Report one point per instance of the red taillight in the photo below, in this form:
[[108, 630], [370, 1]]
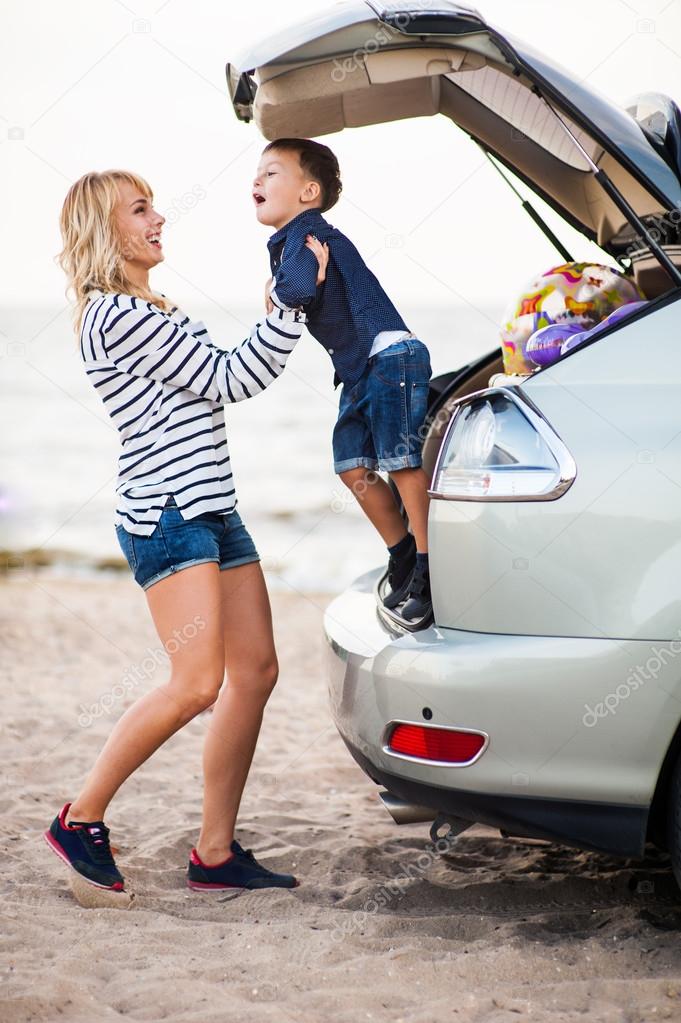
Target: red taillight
[[444, 744]]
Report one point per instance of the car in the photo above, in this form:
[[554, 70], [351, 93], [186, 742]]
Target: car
[[544, 697]]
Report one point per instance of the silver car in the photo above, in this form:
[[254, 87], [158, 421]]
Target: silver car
[[544, 699]]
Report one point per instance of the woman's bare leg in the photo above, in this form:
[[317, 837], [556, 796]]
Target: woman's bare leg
[[251, 663], [186, 609]]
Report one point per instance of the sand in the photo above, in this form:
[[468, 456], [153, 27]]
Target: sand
[[494, 930]]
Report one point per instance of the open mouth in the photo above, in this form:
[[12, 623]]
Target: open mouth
[[258, 198], [155, 240]]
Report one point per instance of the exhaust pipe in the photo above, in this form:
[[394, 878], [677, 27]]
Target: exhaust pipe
[[406, 813]]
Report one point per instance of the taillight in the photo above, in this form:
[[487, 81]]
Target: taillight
[[435, 745], [498, 447]]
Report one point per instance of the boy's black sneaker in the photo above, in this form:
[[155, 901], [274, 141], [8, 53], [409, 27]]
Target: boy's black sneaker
[[239, 870], [84, 846], [400, 571], [419, 603]]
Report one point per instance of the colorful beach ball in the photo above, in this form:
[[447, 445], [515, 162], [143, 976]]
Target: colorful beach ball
[[572, 295]]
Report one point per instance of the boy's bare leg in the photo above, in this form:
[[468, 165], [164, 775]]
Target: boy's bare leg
[[376, 500], [413, 487]]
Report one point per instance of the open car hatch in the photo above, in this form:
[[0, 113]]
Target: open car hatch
[[361, 63]]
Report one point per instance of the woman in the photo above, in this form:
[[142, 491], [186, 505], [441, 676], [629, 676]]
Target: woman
[[164, 383]]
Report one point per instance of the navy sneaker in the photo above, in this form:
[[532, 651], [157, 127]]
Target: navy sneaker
[[419, 603], [239, 870], [400, 571], [84, 846]]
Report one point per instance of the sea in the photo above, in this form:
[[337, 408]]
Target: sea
[[59, 449]]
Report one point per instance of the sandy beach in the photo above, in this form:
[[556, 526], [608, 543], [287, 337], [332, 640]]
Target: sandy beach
[[494, 930]]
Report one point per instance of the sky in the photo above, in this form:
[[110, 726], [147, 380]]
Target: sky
[[141, 85]]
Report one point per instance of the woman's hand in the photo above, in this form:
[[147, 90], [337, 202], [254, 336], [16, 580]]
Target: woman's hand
[[322, 254]]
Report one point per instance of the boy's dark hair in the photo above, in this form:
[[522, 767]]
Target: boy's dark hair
[[318, 162]]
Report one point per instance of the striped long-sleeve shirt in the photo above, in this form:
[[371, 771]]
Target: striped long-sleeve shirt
[[164, 383]]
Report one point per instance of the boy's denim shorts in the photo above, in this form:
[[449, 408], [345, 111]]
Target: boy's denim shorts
[[176, 544], [381, 417]]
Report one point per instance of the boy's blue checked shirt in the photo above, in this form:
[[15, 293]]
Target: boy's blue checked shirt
[[349, 309]]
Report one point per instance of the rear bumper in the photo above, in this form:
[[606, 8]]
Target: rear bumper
[[620, 830], [549, 770]]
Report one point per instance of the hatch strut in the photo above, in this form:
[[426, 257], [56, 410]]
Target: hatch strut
[[611, 190], [529, 208]]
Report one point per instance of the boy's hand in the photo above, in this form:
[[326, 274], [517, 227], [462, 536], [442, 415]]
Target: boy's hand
[[269, 304], [322, 254]]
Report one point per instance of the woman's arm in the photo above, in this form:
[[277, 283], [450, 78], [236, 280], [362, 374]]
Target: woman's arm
[[139, 339], [301, 270]]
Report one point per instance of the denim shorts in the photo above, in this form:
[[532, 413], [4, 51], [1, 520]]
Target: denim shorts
[[176, 544], [381, 417]]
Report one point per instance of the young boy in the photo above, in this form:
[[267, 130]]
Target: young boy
[[383, 367]]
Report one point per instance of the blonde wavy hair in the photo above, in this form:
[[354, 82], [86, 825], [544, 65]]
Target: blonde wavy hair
[[94, 252]]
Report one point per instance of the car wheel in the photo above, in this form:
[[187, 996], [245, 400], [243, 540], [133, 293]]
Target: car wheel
[[674, 821]]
